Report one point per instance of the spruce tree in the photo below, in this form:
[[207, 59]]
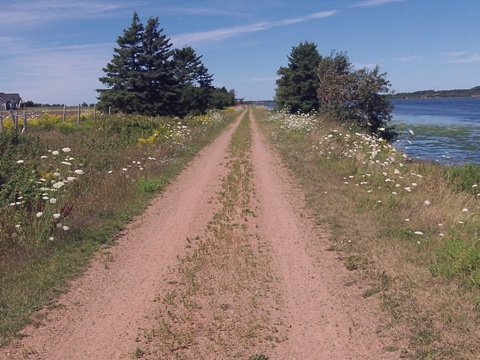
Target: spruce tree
[[298, 82], [122, 74], [194, 81], [159, 84], [147, 77]]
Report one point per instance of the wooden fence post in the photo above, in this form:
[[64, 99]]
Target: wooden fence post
[[94, 111], [24, 130], [14, 120], [64, 115], [78, 115], [1, 123]]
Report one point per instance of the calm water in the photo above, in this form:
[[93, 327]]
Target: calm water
[[445, 130]]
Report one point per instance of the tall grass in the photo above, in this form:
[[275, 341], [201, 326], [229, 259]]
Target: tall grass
[[66, 189], [411, 223]]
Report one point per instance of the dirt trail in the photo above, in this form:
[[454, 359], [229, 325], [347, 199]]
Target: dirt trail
[[100, 317], [326, 319]]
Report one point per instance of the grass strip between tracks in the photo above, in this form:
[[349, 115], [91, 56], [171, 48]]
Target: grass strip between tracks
[[216, 299]]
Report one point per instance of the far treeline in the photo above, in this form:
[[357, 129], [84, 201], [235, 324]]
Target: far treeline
[[146, 76], [332, 86], [473, 92]]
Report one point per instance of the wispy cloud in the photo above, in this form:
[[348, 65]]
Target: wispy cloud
[[455, 53], [201, 11], [225, 33], [32, 13], [465, 59], [410, 58], [375, 2]]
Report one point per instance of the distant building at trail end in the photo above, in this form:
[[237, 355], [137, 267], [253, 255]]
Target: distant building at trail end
[[10, 101]]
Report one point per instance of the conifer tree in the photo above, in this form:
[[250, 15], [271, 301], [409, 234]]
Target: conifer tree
[[159, 84], [147, 77], [194, 81], [298, 82], [122, 74]]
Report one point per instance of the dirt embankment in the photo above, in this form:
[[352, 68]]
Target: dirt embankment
[[317, 315]]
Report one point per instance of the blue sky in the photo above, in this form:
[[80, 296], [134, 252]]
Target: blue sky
[[53, 51]]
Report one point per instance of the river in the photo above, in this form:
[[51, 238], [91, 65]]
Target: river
[[445, 130]]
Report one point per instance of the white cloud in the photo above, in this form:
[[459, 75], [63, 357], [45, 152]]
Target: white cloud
[[33, 13], [200, 11], [461, 59], [455, 53], [225, 33], [375, 2], [410, 58]]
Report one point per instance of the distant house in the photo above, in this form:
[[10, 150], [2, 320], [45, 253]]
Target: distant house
[[10, 101]]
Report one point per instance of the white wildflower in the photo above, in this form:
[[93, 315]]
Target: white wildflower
[[20, 161], [55, 152], [66, 149], [418, 233], [79, 172], [58, 185], [39, 214]]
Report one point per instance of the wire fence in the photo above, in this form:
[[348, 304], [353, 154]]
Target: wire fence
[[20, 118]]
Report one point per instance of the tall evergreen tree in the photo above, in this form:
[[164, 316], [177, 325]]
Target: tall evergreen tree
[[195, 83], [159, 84], [147, 77], [122, 74], [298, 82]]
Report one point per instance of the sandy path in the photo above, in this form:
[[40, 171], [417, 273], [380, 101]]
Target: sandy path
[[326, 319], [100, 316]]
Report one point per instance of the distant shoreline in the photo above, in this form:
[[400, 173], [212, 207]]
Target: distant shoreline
[[440, 94]]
